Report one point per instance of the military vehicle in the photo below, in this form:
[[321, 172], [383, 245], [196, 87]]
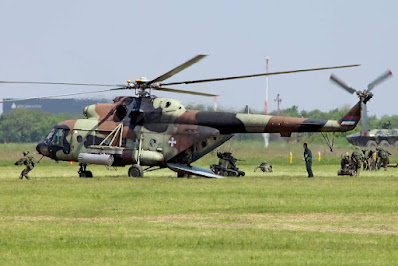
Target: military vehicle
[[375, 137], [348, 165], [144, 130], [226, 165], [385, 137], [349, 169]]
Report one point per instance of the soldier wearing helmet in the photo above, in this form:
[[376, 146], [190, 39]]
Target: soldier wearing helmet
[[29, 163], [356, 160], [383, 158]]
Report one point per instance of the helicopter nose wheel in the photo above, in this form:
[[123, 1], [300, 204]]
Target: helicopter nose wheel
[[83, 173], [136, 171]]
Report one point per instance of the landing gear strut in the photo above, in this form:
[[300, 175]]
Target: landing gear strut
[[82, 171], [136, 171]]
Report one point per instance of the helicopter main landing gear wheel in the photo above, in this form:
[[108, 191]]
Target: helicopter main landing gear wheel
[[136, 171], [86, 174], [83, 172]]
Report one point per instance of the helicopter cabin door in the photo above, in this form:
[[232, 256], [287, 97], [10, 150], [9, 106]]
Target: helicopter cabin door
[[152, 141]]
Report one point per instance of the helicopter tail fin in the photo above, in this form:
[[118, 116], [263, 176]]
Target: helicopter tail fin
[[351, 118]]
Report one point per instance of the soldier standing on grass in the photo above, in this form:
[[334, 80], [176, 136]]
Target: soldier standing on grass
[[356, 159], [345, 161], [372, 162], [308, 159], [29, 163]]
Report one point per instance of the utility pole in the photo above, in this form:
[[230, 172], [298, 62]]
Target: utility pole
[[266, 135], [266, 86]]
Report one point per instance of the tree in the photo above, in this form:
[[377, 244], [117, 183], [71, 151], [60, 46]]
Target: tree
[[27, 125]]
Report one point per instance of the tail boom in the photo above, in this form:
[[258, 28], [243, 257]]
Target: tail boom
[[230, 123]]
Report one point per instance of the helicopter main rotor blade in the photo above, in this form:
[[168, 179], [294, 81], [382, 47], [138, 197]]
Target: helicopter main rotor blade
[[342, 84], [379, 80], [255, 75], [178, 69], [186, 92], [60, 95], [59, 83]]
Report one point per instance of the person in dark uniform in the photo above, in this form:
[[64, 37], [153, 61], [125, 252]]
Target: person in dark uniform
[[308, 159]]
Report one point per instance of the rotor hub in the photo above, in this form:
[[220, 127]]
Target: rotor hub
[[364, 96]]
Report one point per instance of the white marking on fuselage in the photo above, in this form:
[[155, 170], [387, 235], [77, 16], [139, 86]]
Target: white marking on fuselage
[[347, 123], [172, 142]]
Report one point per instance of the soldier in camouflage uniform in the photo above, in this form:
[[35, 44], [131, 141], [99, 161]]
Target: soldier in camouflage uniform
[[265, 167], [29, 163], [365, 160], [345, 161], [371, 160], [382, 158], [356, 160]]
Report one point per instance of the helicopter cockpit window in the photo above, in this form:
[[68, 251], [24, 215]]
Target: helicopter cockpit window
[[58, 137], [50, 135]]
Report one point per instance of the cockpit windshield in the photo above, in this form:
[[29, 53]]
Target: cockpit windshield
[[56, 136], [50, 135]]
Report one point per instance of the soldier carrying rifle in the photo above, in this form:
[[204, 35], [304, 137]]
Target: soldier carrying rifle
[[29, 163], [383, 158], [356, 160]]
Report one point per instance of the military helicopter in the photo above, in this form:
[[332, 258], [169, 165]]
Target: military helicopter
[[146, 131]]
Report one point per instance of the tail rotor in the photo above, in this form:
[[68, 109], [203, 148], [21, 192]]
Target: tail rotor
[[364, 96]]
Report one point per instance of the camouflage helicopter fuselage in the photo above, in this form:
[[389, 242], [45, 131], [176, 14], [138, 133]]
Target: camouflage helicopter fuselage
[[159, 131]]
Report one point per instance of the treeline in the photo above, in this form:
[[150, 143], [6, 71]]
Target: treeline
[[27, 125]]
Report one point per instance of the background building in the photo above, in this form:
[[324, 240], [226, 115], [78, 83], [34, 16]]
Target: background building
[[55, 106]]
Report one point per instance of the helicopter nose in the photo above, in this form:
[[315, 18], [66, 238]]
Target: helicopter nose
[[42, 148]]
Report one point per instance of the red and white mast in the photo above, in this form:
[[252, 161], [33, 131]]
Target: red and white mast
[[215, 100], [266, 135], [266, 86]]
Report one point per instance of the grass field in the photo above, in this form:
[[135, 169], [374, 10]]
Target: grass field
[[277, 218]]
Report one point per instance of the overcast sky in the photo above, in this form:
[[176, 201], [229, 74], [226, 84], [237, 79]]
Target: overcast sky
[[112, 41]]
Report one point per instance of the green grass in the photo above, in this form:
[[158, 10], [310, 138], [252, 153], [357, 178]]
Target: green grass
[[263, 218]]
